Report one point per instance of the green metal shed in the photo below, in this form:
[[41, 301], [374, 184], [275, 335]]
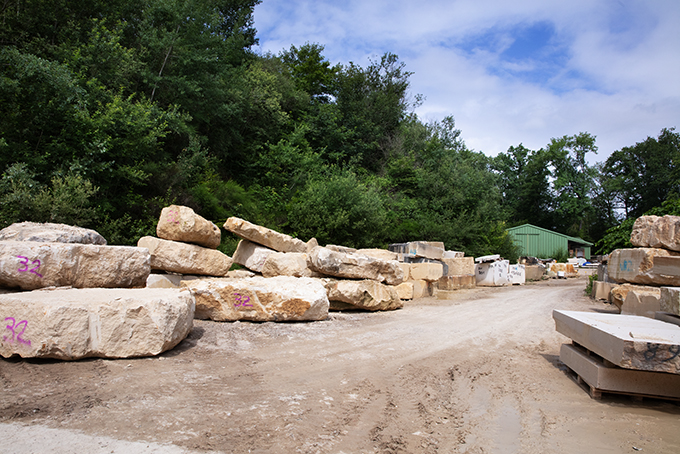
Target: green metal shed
[[543, 243]]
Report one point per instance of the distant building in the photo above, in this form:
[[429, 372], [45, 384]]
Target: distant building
[[543, 243]]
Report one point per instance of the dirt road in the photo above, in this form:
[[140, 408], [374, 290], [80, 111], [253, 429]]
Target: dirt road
[[476, 374]]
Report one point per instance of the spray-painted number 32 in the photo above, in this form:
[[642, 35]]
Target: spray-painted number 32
[[24, 268], [240, 301]]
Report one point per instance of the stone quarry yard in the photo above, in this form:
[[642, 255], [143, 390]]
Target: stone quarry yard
[[478, 373]]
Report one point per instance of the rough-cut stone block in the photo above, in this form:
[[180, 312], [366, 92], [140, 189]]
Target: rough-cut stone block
[[454, 255], [492, 274], [601, 290], [355, 266], [274, 299], [311, 244], [459, 266], [670, 300], [185, 258], [645, 304], [656, 232], [367, 294], [628, 341], [180, 223], [31, 265], [568, 268], [534, 272], [79, 323], [516, 274], [406, 269], [426, 249], [605, 378], [168, 280], [251, 255], [618, 293], [272, 239], [426, 271], [381, 254], [405, 290], [287, 264], [50, 233], [456, 282], [645, 266], [240, 274], [421, 289]]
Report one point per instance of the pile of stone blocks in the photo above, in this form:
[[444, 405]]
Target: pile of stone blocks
[[71, 296], [624, 354], [493, 271]]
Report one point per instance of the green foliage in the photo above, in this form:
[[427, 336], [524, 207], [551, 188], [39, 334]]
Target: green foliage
[[560, 255], [589, 287]]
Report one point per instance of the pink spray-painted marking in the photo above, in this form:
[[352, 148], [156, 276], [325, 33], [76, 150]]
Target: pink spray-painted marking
[[24, 268], [13, 328]]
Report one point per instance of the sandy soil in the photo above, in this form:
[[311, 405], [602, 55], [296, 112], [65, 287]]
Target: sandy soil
[[478, 374]]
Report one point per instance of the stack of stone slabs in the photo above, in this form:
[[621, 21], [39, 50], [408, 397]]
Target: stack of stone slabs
[[623, 354]]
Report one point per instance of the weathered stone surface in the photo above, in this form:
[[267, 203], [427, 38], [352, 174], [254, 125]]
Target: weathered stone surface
[[381, 254], [427, 249], [670, 300], [534, 272], [454, 255], [405, 290], [459, 266], [251, 255], [421, 289], [168, 280], [645, 304], [367, 294], [601, 290], [618, 293], [568, 268], [516, 274], [645, 266], [456, 282], [287, 264], [50, 233], [276, 299], [180, 223], [272, 239], [430, 272], [336, 248], [79, 323], [492, 274], [185, 258], [311, 244], [628, 341], [656, 232], [31, 265], [355, 266], [240, 274]]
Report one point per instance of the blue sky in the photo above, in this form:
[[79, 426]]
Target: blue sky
[[509, 72]]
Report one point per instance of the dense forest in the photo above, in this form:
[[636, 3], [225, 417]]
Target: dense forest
[[112, 109]]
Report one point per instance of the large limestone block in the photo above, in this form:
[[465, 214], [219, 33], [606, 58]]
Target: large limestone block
[[272, 239], [670, 300], [421, 289], [274, 299], [534, 272], [185, 258], [454, 255], [180, 223], [459, 266], [107, 323], [430, 272], [251, 255], [618, 293], [645, 304], [647, 266], [355, 266], [601, 290], [656, 232], [628, 341], [492, 274], [367, 294], [287, 264], [31, 265], [426, 249], [405, 290], [50, 233], [449, 283], [382, 254]]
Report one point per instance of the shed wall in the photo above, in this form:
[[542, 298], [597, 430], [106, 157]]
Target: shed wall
[[538, 243]]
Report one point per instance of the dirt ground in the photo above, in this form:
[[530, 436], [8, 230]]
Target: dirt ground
[[476, 374]]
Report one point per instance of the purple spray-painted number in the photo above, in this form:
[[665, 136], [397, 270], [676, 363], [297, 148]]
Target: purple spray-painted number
[[24, 268], [172, 216], [240, 303], [15, 326]]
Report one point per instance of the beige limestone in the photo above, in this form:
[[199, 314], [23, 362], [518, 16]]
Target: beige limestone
[[649, 266], [311, 244], [287, 264], [32, 265], [251, 255], [670, 300], [355, 266], [534, 272], [426, 249], [618, 293], [180, 223], [430, 272], [381, 254], [454, 255], [276, 299], [656, 232], [336, 248], [108, 323], [272, 239], [366, 294], [628, 341], [50, 233], [460, 266], [601, 290], [240, 274], [421, 289], [456, 282], [405, 290], [185, 258], [645, 304]]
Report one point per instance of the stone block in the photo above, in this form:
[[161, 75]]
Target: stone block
[[534, 272], [427, 249], [355, 266], [421, 289], [272, 239], [454, 255], [366, 294], [287, 264], [601, 290], [645, 304], [492, 274], [163, 281], [50, 233], [343, 249], [184, 258], [516, 275], [459, 266], [251, 255], [456, 282], [567, 268], [80, 323], [628, 341], [430, 272], [180, 223], [647, 266], [669, 300], [405, 290], [605, 378], [381, 254], [618, 293], [274, 299], [656, 232], [32, 265]]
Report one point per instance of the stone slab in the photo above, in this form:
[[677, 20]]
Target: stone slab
[[180, 223], [454, 255], [31, 265], [430, 272], [618, 380], [50, 233], [647, 266], [534, 272], [618, 293], [272, 239], [656, 232], [427, 249], [80, 323], [670, 300], [184, 258], [365, 294], [456, 282], [601, 290], [459, 266], [628, 341], [355, 266], [251, 255], [644, 304], [492, 274], [287, 264]]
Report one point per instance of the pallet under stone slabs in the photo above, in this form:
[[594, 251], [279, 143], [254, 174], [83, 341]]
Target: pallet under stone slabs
[[600, 376], [628, 341]]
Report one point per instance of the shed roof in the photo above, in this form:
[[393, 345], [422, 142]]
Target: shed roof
[[573, 239]]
